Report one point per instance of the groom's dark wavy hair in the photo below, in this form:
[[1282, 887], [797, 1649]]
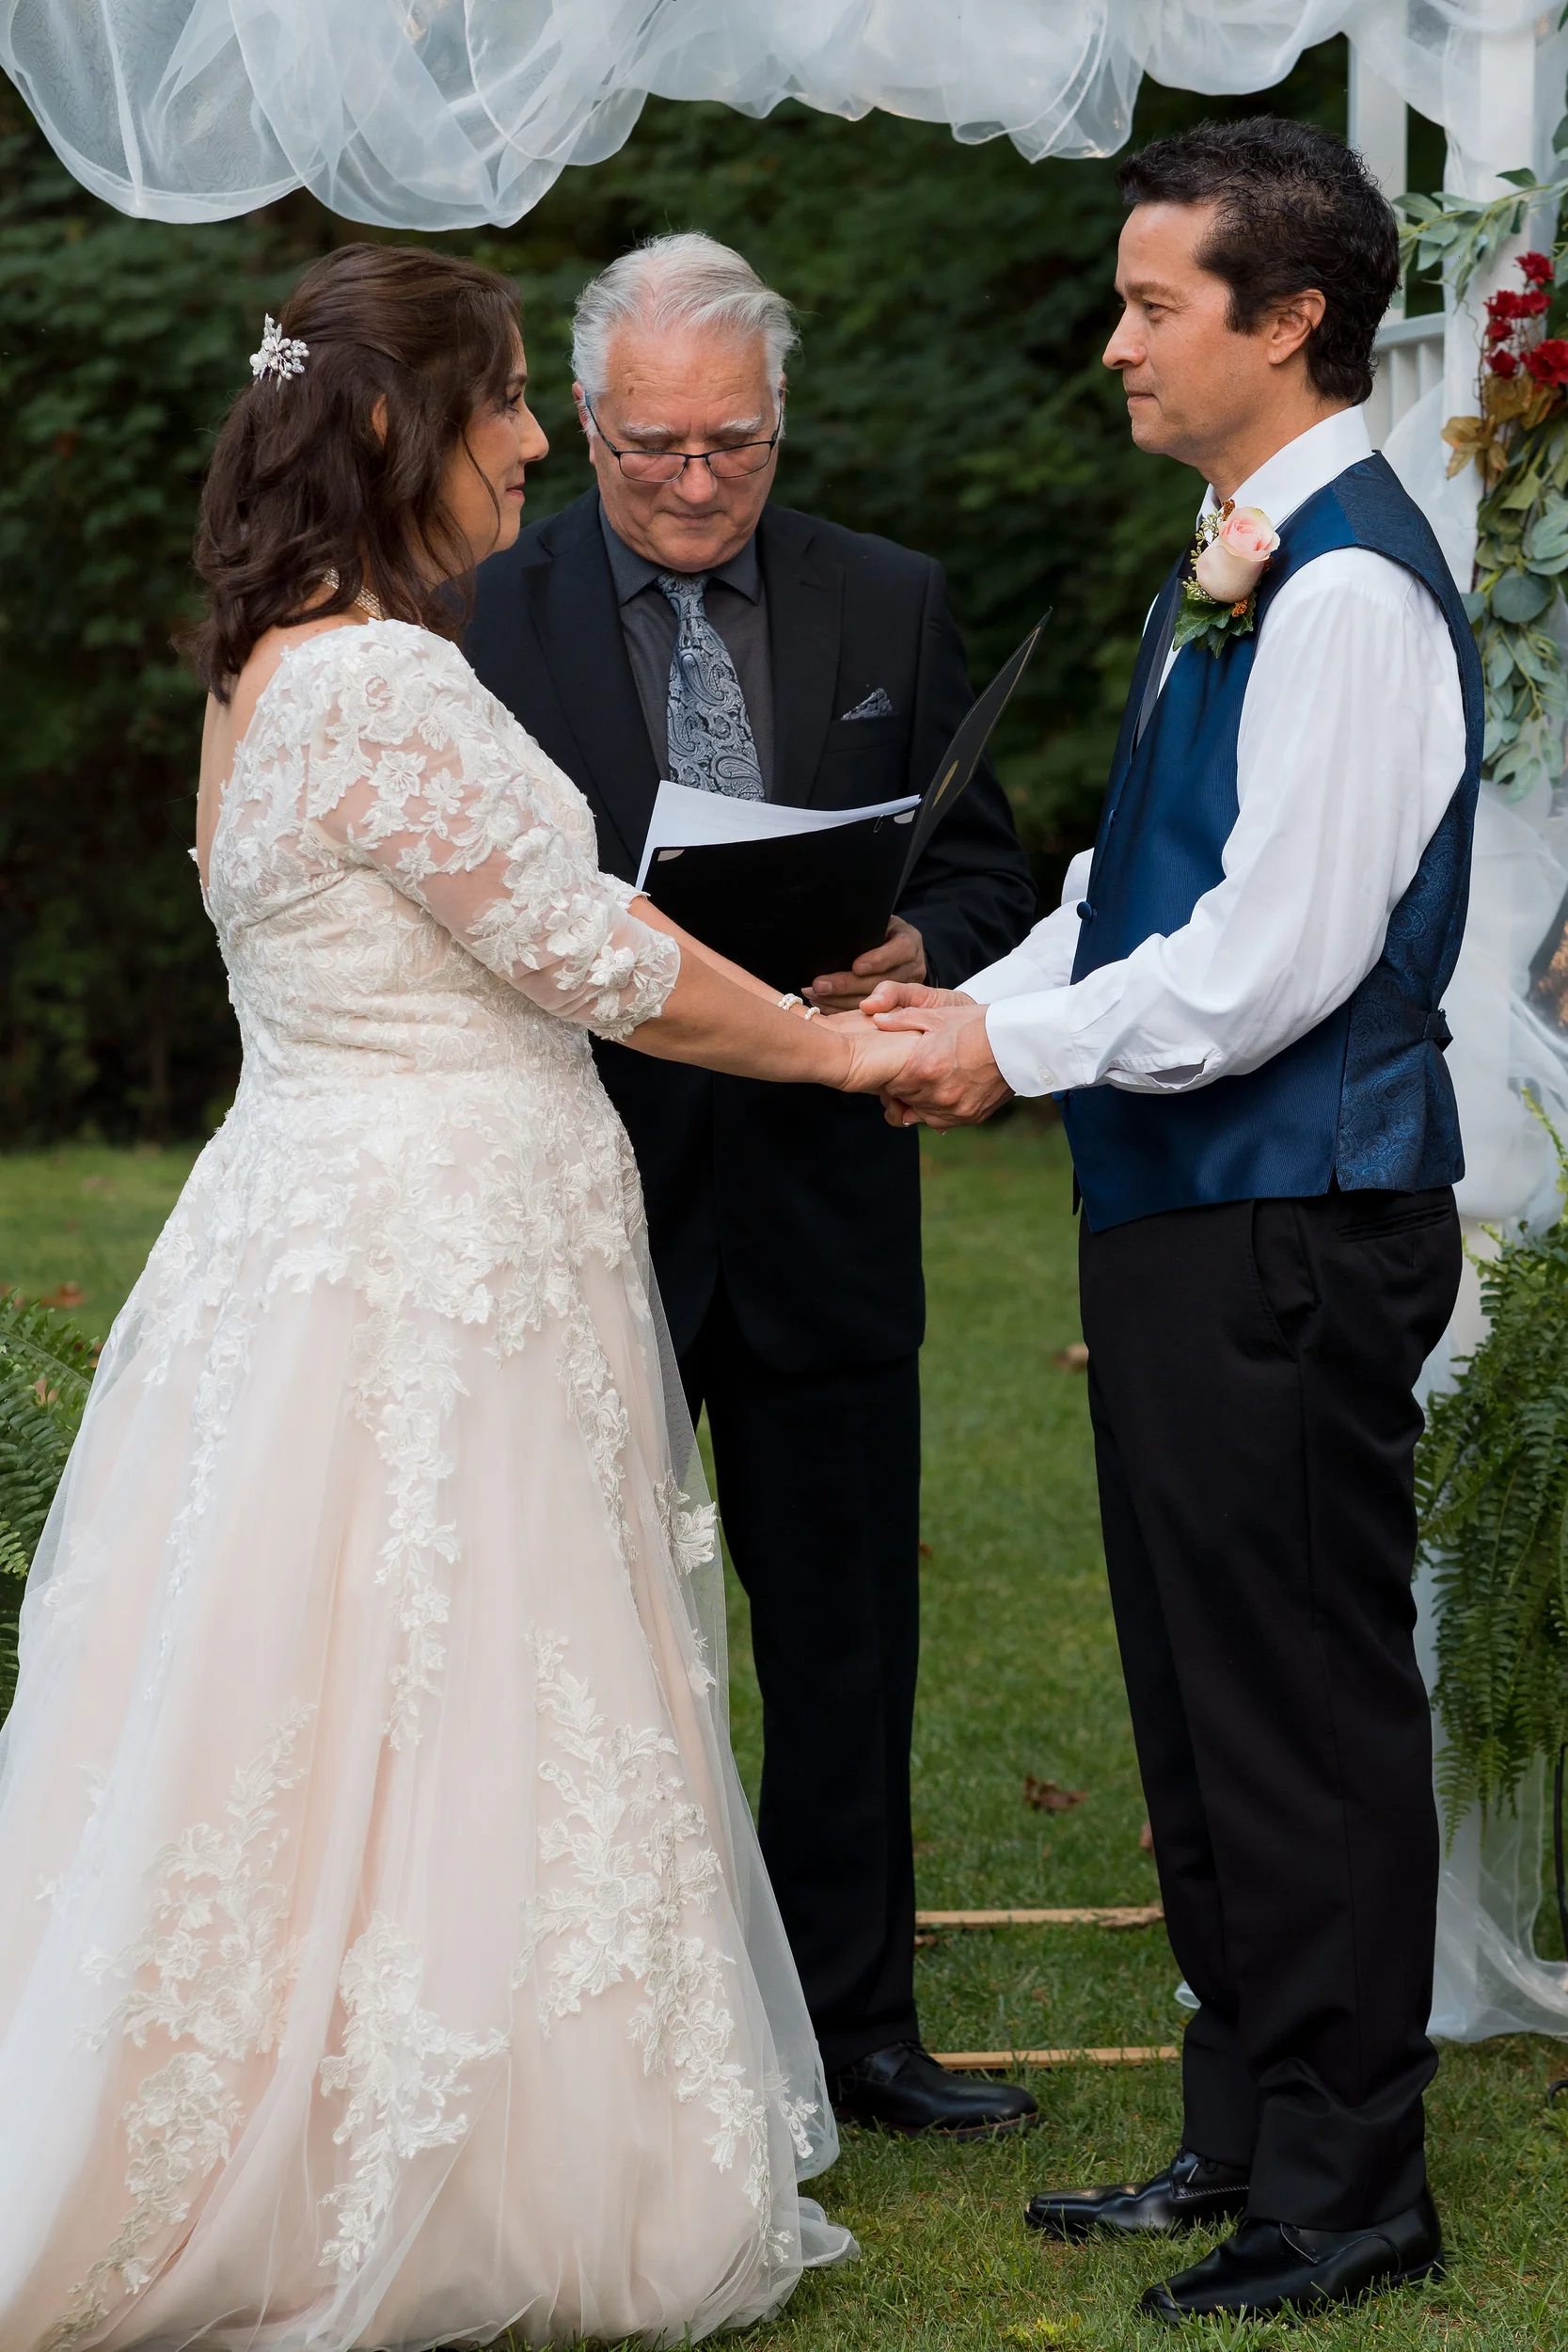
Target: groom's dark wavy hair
[[301, 482], [1293, 209]]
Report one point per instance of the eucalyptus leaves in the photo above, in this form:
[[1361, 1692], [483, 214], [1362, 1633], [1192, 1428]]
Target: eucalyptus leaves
[[1519, 443]]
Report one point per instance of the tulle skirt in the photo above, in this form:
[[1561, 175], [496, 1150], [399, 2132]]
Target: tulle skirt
[[388, 1956]]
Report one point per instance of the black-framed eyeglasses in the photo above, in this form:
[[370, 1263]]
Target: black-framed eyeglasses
[[664, 464]]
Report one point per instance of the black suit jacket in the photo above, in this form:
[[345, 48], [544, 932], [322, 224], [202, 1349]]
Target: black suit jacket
[[806, 1199]]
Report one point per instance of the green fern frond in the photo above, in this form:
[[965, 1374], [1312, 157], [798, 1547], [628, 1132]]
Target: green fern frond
[[1492, 1490], [45, 1371], [10, 1607], [42, 1345]]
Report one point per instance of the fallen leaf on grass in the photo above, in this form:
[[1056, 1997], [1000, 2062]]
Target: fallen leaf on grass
[[1072, 1358], [1044, 1796], [923, 1939], [926, 1553], [1034, 2331], [1146, 1839], [69, 1294]]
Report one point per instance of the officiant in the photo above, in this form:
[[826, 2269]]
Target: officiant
[[673, 623]]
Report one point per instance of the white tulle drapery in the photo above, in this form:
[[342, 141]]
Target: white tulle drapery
[[441, 113]]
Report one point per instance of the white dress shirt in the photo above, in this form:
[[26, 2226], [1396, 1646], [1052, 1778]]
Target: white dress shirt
[[1351, 744]]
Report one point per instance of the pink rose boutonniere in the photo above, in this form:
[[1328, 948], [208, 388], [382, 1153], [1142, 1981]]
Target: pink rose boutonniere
[[1219, 588]]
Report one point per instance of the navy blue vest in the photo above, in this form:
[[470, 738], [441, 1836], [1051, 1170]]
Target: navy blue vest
[[1364, 1098]]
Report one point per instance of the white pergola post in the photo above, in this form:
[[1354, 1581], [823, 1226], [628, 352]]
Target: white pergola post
[[1379, 126], [1410, 356], [1491, 129]]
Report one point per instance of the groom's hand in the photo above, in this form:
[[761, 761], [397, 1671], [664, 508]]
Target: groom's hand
[[950, 1078], [901, 957]]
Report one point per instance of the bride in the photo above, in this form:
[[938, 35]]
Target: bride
[[388, 1957]]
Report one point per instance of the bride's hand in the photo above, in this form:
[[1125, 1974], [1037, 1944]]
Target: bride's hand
[[872, 1067]]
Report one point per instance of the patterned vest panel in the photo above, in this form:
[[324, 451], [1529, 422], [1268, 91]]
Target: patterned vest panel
[[1364, 1098]]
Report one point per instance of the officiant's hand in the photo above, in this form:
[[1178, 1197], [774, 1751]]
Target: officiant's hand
[[901, 957], [950, 1078]]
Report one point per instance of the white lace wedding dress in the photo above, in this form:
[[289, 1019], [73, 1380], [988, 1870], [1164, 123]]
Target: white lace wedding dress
[[388, 1957]]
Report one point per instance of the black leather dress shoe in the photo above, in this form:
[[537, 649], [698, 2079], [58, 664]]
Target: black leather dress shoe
[[1191, 2189], [903, 2090], [1273, 2266]]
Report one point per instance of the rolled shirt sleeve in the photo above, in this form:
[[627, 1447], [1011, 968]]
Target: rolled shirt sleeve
[[1351, 746]]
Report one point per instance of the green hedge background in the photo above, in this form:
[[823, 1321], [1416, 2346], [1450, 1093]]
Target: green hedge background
[[953, 301]]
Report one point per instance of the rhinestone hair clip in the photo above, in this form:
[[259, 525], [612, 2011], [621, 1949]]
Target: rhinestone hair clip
[[278, 355]]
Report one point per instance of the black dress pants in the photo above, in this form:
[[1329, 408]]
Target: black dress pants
[[818, 1478], [1250, 1377]]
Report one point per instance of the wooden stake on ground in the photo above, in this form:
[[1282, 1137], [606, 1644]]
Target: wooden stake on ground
[[1142, 1915], [991, 2062]]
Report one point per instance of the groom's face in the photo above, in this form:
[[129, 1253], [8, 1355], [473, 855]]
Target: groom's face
[[1191, 378]]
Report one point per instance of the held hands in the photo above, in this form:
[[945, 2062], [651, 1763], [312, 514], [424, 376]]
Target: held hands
[[875, 1059], [901, 957], [950, 1078]]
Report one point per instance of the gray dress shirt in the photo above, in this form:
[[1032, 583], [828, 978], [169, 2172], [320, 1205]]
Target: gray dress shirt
[[736, 604]]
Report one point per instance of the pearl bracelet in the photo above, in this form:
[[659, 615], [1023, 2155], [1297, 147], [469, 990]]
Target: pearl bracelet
[[788, 1004]]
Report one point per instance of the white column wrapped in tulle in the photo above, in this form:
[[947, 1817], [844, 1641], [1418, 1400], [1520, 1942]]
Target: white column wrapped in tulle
[[1488, 1979]]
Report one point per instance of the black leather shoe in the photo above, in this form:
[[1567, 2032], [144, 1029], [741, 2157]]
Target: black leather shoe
[[1273, 2266], [1191, 2189], [903, 2090]]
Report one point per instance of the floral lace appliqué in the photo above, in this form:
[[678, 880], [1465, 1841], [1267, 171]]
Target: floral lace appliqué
[[400, 2068], [214, 1975], [638, 1867], [692, 1530]]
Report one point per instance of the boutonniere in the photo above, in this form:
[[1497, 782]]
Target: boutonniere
[[1219, 587]]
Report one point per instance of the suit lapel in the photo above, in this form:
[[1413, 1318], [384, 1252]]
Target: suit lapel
[[805, 599], [579, 630]]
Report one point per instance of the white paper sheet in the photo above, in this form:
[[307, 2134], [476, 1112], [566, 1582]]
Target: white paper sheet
[[686, 819]]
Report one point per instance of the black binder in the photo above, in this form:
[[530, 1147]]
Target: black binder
[[794, 908]]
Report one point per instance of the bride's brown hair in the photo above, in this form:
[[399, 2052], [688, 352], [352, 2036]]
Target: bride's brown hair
[[303, 484]]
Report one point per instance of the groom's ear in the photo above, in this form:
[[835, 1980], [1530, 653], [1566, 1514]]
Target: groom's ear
[[1287, 326]]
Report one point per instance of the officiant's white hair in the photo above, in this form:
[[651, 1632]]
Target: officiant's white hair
[[688, 280]]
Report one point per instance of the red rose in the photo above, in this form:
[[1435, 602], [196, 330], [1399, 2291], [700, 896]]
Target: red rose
[[1503, 363], [1548, 361], [1505, 304], [1533, 306], [1498, 330], [1537, 267]]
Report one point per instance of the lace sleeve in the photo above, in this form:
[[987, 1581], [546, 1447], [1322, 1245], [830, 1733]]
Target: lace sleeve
[[409, 772]]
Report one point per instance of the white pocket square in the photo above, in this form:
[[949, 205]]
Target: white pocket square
[[878, 704]]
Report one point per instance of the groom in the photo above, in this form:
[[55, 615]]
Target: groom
[[1238, 1004]]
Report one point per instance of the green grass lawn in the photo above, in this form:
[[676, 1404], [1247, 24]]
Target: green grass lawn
[[1019, 1679]]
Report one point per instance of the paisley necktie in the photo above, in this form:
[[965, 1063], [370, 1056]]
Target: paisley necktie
[[711, 748]]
